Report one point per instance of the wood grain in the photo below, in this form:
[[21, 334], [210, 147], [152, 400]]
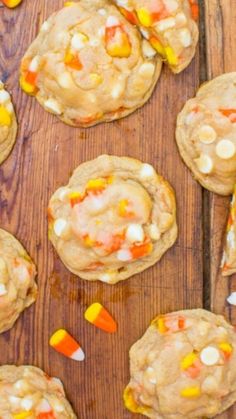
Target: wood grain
[[45, 155], [220, 18]]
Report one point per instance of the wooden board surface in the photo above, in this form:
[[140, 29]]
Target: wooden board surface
[[45, 154]]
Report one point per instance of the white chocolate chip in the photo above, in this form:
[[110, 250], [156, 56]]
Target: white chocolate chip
[[34, 64], [112, 21], [65, 80], [209, 385], [147, 70], [27, 404], [14, 400], [21, 272], [135, 233], [101, 32], [205, 164], [106, 277], [225, 149], [210, 356], [231, 239], [21, 385], [171, 5], [78, 41], [154, 232], [3, 290], [146, 171], [148, 50], [4, 96], [122, 3], [150, 372], [58, 407], [62, 193], [45, 26], [45, 406], [102, 12], [232, 299], [165, 24], [53, 106], [207, 134], [117, 91], [180, 19], [59, 226], [124, 255], [185, 37]]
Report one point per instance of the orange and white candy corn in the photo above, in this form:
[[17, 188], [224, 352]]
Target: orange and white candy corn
[[97, 315], [65, 344], [11, 3]]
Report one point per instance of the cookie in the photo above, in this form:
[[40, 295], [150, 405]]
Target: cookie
[[228, 263], [183, 367], [169, 26], [89, 65], [115, 218], [8, 124], [206, 134], [18, 289], [27, 392]]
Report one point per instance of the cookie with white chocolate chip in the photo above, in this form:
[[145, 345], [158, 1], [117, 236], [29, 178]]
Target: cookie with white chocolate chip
[[115, 218], [206, 134], [8, 124], [18, 289], [89, 65], [183, 367], [169, 25], [27, 392]]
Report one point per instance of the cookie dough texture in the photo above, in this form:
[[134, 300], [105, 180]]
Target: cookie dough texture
[[169, 26], [183, 367], [206, 134], [89, 65], [115, 218], [8, 124], [18, 289], [27, 392], [228, 263]]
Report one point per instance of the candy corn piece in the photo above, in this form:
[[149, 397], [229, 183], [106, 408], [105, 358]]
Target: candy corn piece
[[11, 3], [64, 343], [99, 316]]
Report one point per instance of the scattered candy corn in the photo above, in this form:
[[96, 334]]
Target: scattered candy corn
[[64, 343], [99, 317], [11, 3], [22, 415]]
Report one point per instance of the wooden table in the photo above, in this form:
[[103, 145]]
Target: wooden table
[[46, 153]]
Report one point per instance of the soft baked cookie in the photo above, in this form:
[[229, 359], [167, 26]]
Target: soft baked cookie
[[27, 392], [18, 289], [89, 65], [183, 367], [206, 134], [228, 263], [8, 124], [168, 25], [115, 218]]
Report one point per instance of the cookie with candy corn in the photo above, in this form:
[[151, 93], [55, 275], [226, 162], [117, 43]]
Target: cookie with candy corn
[[206, 134], [169, 25], [104, 71], [27, 392], [115, 218], [97, 315], [183, 367], [18, 289], [8, 124], [64, 343]]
